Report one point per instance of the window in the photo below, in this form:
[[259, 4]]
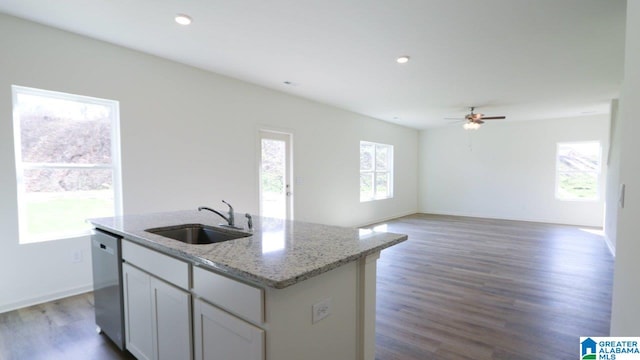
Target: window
[[67, 162], [578, 170], [376, 171]]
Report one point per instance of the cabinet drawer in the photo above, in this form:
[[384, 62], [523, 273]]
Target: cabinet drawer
[[162, 266], [236, 297]]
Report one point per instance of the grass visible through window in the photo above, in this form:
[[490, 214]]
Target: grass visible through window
[[52, 214], [67, 162]]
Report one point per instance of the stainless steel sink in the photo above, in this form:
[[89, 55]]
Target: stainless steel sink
[[197, 233]]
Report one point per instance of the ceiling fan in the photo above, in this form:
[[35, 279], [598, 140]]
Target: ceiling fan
[[474, 120]]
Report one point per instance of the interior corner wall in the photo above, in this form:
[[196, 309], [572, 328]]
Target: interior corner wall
[[188, 138], [625, 316], [506, 170], [613, 178]]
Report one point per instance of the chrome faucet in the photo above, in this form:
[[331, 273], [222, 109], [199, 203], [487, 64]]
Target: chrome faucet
[[231, 221]]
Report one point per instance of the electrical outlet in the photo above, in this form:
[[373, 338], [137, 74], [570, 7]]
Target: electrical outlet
[[321, 310], [76, 256]]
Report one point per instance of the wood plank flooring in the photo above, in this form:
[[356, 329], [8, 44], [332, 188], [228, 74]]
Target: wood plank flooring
[[465, 288], [459, 288], [62, 329]]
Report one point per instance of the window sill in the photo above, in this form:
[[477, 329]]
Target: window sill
[[578, 200], [375, 199], [54, 237]]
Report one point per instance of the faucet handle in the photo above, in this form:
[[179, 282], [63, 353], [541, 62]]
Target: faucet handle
[[229, 205], [232, 221], [249, 221]]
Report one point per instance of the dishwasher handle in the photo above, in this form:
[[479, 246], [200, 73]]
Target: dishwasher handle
[[104, 247]]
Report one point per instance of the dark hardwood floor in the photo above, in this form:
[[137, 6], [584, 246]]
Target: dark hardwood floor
[[459, 288], [64, 329], [466, 288]]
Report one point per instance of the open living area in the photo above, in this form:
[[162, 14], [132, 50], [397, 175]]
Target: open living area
[[318, 180]]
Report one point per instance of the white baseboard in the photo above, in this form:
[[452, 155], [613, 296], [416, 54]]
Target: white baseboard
[[45, 298], [512, 218], [372, 222]]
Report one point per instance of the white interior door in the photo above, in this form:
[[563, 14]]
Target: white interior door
[[276, 193]]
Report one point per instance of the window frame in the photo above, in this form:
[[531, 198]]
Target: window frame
[[375, 172], [597, 173], [115, 165]]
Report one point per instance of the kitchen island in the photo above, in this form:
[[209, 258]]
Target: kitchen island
[[287, 290]]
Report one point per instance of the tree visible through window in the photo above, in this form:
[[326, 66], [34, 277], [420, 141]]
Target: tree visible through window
[[578, 170], [67, 162], [273, 177], [376, 171]]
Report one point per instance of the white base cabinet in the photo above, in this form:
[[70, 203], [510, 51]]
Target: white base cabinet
[[174, 310], [157, 313], [157, 317], [137, 312], [221, 336], [172, 321]]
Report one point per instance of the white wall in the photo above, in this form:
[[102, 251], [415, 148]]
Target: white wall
[[625, 315], [505, 170], [189, 138]]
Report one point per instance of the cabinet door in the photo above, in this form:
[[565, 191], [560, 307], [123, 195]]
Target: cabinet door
[[172, 321], [221, 336], [137, 312]]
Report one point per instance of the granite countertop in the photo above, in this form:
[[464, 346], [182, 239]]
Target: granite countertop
[[279, 253]]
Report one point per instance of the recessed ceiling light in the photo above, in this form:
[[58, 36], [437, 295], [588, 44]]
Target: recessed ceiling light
[[183, 19], [402, 59]]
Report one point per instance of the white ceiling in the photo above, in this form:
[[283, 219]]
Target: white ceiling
[[521, 58]]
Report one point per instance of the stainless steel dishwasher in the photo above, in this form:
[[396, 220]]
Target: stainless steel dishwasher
[[106, 256]]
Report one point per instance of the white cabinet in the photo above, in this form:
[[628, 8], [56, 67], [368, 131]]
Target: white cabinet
[[171, 321], [240, 299], [157, 313], [230, 319], [137, 312], [221, 336], [224, 330]]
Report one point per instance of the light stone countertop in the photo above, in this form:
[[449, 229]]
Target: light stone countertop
[[279, 253]]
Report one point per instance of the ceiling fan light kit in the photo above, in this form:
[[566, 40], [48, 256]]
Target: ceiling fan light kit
[[474, 120], [471, 126]]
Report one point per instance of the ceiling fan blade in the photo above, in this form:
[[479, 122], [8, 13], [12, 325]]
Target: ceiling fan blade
[[456, 122], [494, 118]]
